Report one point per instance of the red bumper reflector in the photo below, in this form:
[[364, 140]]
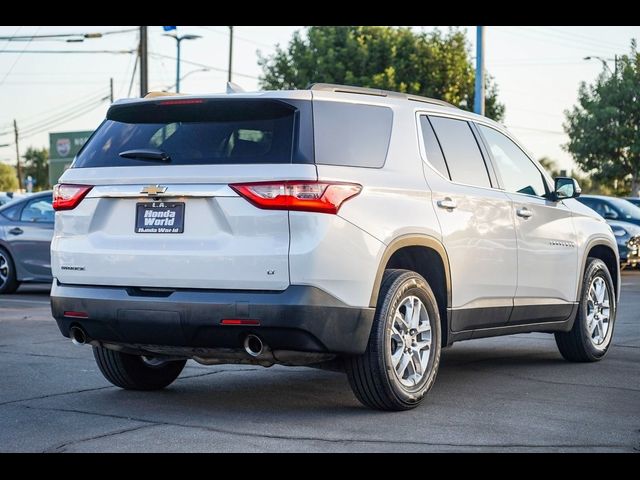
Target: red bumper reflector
[[239, 321], [76, 314]]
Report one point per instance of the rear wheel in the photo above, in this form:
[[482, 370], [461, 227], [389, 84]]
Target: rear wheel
[[8, 280], [136, 372], [590, 338], [402, 357]]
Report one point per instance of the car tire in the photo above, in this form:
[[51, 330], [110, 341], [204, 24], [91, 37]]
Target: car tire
[[8, 279], [591, 336], [135, 372], [401, 361]]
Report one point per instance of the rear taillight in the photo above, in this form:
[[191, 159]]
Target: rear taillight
[[67, 197], [306, 196]]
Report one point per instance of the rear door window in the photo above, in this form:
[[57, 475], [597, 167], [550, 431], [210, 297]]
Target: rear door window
[[193, 132], [351, 134], [432, 147], [461, 151], [38, 210]]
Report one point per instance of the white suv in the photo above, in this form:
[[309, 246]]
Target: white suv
[[335, 226]]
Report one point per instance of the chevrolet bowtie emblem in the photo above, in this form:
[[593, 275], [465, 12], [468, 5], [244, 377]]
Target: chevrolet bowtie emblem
[[153, 189]]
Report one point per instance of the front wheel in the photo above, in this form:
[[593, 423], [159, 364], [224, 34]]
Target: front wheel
[[590, 338], [402, 357], [135, 372]]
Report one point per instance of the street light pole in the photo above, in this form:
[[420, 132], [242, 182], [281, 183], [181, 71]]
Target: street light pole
[[478, 104], [230, 51], [178, 40], [604, 62]]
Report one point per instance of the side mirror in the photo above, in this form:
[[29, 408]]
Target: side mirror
[[611, 215], [566, 187]]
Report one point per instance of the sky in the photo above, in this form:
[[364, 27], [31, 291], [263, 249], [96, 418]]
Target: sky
[[538, 70]]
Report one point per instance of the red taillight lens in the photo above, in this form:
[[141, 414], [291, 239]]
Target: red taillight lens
[[74, 314], [239, 321], [306, 196], [67, 197]]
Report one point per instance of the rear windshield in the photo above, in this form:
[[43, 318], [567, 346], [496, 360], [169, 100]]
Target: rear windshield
[[193, 132]]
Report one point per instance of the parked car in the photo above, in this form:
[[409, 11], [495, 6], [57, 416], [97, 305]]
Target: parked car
[[4, 199], [26, 228], [612, 208], [325, 227], [624, 219], [634, 200]]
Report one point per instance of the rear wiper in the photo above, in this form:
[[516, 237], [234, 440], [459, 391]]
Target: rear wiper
[[147, 154]]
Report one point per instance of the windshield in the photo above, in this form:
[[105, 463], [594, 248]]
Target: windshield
[[195, 133]]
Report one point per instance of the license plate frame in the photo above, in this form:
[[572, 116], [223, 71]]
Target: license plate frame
[[169, 217]]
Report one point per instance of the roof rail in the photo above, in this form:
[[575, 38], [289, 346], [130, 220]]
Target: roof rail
[[330, 87]]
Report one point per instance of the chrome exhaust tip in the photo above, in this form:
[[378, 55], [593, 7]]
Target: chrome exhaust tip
[[253, 345], [78, 337]]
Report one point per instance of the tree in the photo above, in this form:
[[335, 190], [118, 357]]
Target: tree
[[36, 164], [433, 64], [604, 127], [550, 166], [8, 178]]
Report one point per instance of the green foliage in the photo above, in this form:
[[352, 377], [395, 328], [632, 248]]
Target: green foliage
[[36, 164], [604, 128], [433, 64], [588, 185], [8, 178]]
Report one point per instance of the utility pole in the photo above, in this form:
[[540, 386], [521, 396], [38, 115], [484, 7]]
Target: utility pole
[[144, 79], [615, 65], [111, 89], [478, 104], [230, 51], [18, 168]]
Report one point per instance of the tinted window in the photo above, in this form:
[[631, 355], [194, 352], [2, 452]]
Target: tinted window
[[200, 133], [38, 210], [13, 212], [432, 147], [518, 173], [461, 151], [351, 134]]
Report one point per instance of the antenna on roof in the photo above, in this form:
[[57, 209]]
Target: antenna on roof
[[234, 88]]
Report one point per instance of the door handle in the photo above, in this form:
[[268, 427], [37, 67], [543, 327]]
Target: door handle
[[447, 203], [16, 231], [524, 212]]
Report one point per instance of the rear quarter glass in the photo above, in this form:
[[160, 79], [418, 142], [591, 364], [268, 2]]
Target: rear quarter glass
[[207, 132]]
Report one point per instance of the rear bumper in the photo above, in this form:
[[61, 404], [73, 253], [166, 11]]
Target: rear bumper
[[300, 318]]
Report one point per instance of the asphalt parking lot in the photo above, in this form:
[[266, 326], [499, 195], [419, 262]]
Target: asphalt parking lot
[[501, 394]]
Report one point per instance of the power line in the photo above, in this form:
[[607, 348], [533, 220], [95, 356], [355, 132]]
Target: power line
[[16, 60], [235, 35], [133, 75], [7, 44], [217, 69], [539, 130], [65, 120], [68, 51], [583, 38], [540, 37], [61, 115], [67, 105], [53, 36]]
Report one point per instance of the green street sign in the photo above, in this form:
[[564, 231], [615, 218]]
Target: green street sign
[[63, 147]]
